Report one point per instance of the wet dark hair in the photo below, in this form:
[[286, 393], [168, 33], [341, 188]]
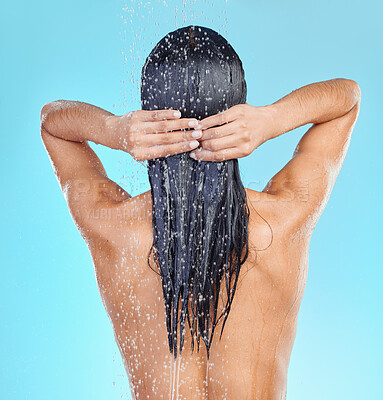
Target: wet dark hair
[[200, 213]]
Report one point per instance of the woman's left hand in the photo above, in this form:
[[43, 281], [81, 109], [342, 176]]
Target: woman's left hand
[[234, 133]]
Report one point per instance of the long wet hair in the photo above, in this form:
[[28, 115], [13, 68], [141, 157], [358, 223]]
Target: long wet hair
[[200, 214]]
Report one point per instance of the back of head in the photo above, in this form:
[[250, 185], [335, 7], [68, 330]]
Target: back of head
[[200, 215]]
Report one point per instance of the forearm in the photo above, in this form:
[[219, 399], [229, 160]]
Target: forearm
[[75, 121], [315, 103]]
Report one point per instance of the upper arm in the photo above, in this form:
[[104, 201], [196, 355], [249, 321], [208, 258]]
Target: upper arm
[[306, 181], [81, 176]]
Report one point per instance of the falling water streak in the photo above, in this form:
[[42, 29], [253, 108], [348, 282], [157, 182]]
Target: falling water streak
[[178, 374], [224, 18], [191, 12], [171, 380], [174, 376], [136, 16], [207, 377]]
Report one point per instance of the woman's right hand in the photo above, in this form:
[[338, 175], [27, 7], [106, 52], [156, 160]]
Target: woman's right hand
[[235, 133], [152, 134]]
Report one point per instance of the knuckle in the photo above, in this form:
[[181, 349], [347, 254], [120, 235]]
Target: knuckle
[[246, 135], [162, 126], [243, 124], [206, 134], [245, 149], [176, 125], [186, 136], [207, 145], [211, 133], [165, 138], [133, 126], [214, 146], [172, 138], [217, 133], [131, 140], [159, 139]]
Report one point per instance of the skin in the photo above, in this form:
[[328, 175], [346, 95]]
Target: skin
[[251, 361]]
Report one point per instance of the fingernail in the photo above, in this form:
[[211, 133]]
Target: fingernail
[[197, 134], [198, 126], [193, 123], [194, 143], [177, 114], [192, 155]]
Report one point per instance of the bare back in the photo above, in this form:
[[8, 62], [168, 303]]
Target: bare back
[[251, 360]]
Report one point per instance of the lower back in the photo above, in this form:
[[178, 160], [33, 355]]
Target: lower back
[[251, 359]]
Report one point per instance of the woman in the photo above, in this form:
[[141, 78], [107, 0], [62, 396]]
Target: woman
[[215, 248]]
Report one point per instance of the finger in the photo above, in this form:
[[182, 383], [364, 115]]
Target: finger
[[221, 143], [164, 150], [158, 115], [218, 119], [154, 139], [220, 131], [171, 125], [221, 155]]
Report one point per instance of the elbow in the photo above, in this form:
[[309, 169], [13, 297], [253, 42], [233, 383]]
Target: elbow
[[356, 91], [352, 92], [47, 110], [44, 114]]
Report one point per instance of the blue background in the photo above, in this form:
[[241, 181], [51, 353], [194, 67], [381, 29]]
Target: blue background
[[55, 339]]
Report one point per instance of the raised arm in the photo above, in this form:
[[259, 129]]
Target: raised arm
[[315, 103], [66, 128], [304, 184], [307, 179]]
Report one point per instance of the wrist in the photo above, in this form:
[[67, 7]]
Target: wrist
[[111, 132], [268, 122], [277, 120]]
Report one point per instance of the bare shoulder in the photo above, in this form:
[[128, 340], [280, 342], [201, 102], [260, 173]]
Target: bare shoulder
[[263, 224], [113, 221], [271, 217], [263, 207]]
